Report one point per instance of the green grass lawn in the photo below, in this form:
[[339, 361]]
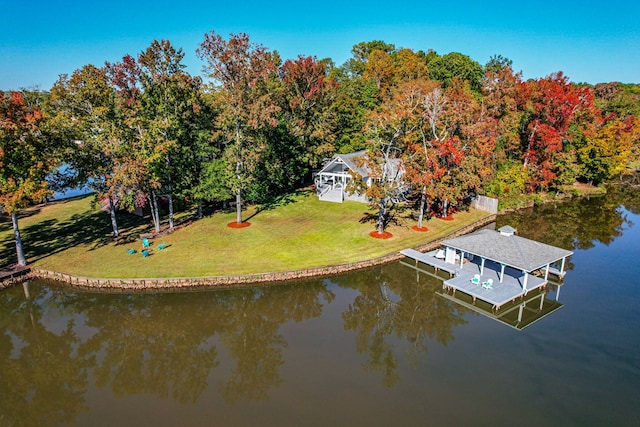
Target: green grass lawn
[[296, 232]]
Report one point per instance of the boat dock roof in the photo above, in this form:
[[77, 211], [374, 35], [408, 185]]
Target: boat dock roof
[[502, 262], [506, 248]]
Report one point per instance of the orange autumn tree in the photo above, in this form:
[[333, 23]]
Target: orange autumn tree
[[389, 129], [25, 159]]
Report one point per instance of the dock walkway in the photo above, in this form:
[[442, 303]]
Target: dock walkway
[[429, 259]]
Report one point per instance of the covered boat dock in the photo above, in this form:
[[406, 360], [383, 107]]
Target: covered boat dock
[[495, 266]]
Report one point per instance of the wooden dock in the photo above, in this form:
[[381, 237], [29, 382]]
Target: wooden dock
[[499, 294]]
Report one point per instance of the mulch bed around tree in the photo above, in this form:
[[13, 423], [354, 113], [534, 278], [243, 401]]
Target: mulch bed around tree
[[234, 224], [420, 229], [447, 218], [376, 235]]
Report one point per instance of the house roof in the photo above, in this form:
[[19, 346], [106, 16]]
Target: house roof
[[338, 163], [335, 165], [508, 249]]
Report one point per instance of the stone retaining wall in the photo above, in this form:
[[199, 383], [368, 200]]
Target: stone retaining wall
[[135, 285]]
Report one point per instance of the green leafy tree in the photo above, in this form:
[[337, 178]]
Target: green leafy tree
[[168, 97], [85, 103], [445, 68]]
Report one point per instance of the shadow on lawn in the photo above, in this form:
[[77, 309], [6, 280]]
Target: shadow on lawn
[[50, 236], [280, 201]]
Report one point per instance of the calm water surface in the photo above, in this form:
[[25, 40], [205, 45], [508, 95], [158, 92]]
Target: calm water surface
[[374, 348]]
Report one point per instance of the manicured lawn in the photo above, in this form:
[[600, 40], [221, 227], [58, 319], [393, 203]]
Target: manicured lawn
[[296, 232]]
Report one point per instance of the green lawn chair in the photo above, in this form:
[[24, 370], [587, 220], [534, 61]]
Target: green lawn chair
[[145, 253], [488, 284], [145, 243], [162, 245], [131, 251]]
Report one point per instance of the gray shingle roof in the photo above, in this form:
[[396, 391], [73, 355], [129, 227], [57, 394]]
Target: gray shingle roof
[[514, 251], [334, 166], [348, 160]]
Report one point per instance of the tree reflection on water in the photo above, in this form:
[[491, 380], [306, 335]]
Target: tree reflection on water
[[395, 303], [58, 345]]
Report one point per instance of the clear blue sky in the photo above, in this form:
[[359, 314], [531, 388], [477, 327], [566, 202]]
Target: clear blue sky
[[41, 39]]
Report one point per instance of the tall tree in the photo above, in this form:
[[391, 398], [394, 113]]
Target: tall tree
[[243, 69], [85, 103], [308, 97], [420, 165], [389, 128], [26, 156], [166, 92]]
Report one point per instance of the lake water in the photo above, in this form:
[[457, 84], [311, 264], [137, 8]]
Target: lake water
[[377, 347]]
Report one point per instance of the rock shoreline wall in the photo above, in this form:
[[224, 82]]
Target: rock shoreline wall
[[154, 284]]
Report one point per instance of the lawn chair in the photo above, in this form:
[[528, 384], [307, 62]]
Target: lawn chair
[[131, 251], [162, 245], [487, 284], [145, 253], [475, 279], [145, 243]]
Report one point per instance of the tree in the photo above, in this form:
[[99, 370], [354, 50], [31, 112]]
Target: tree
[[552, 105], [381, 69], [167, 94], [26, 156], [85, 103], [445, 68], [243, 70], [356, 66], [388, 129], [308, 97], [409, 65], [421, 169], [607, 153]]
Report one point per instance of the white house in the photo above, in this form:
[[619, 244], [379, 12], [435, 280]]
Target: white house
[[332, 180]]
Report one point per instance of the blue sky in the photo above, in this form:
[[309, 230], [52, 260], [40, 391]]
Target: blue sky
[[41, 39]]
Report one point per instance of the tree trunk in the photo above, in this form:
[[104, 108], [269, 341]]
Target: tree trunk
[[381, 217], [112, 213], [445, 208], [170, 209], [16, 232], [200, 209], [170, 194], [239, 206], [423, 199], [155, 214]]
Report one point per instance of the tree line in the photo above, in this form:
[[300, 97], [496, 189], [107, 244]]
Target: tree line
[[254, 127]]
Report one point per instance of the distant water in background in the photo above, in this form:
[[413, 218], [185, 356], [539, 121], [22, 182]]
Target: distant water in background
[[71, 192]]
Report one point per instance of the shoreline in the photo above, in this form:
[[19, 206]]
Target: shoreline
[[207, 282]]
